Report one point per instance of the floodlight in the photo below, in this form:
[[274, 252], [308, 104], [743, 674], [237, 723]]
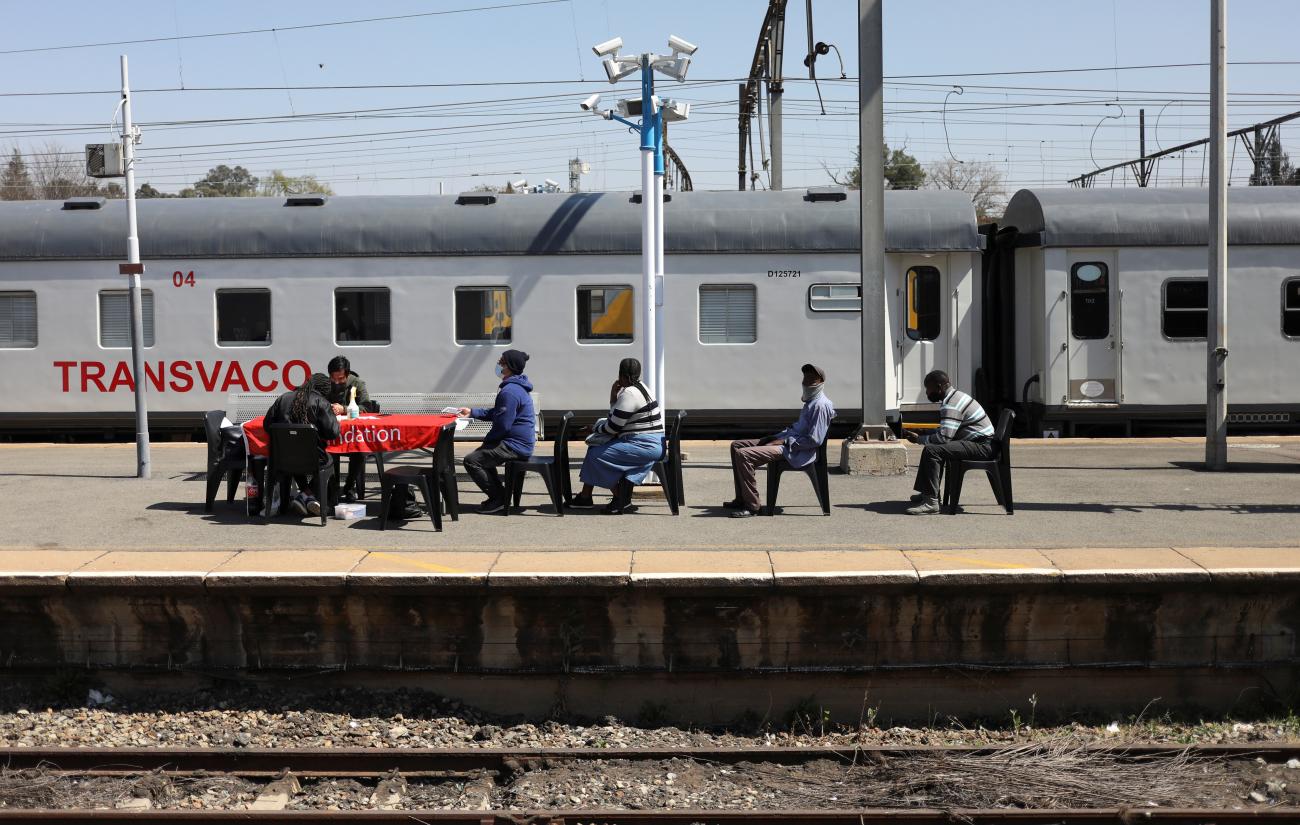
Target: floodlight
[[616, 70], [676, 110], [609, 47], [590, 103], [679, 45], [630, 107]]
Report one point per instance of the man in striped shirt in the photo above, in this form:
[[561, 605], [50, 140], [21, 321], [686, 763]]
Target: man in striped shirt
[[964, 432]]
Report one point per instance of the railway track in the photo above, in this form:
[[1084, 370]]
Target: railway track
[[279, 771]]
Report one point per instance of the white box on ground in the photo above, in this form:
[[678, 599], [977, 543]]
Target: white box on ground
[[350, 512]]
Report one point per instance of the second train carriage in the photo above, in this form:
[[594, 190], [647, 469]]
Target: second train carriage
[[421, 293], [1096, 305]]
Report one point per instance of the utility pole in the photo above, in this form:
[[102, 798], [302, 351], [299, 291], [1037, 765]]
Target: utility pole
[[134, 268], [1216, 341], [743, 131], [883, 454], [776, 91], [1144, 168]]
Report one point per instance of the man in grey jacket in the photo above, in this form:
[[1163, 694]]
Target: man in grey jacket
[[797, 444]]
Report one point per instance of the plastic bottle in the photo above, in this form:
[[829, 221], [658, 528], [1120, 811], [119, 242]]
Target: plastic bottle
[[353, 410]]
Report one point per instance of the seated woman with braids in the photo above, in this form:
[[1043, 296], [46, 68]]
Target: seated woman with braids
[[307, 405], [622, 448]]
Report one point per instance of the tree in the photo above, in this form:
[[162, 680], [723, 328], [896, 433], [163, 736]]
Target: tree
[[16, 182], [59, 174], [979, 179], [225, 182], [902, 171], [279, 184], [148, 191], [1277, 169]]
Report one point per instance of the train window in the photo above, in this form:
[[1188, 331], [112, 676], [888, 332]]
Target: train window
[[243, 317], [363, 316], [924, 303], [728, 314], [835, 297], [605, 314], [1089, 300], [17, 320], [1185, 310], [115, 317], [483, 315], [1290, 308]]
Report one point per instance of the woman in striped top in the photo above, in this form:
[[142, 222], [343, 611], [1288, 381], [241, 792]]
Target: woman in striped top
[[622, 448]]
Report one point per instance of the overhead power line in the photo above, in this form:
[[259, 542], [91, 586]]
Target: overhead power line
[[300, 27]]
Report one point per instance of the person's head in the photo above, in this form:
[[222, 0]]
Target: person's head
[[317, 383], [338, 368], [511, 362], [813, 379], [937, 386], [629, 371]]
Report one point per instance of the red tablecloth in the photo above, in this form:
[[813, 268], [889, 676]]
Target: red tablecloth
[[367, 434]]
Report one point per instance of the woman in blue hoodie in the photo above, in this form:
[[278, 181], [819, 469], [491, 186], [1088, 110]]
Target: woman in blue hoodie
[[513, 434]]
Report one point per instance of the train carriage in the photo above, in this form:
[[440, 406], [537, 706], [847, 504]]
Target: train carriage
[[421, 293], [1098, 304]]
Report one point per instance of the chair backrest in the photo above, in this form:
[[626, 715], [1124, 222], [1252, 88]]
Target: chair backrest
[[673, 446], [1002, 435], [560, 451], [444, 450], [294, 448], [212, 430]]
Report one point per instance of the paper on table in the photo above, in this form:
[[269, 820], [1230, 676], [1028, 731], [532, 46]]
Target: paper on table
[[451, 410]]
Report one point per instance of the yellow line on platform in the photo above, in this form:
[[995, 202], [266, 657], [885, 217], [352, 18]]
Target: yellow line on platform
[[968, 560], [423, 565]]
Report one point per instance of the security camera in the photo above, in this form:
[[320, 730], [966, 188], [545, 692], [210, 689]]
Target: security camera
[[616, 70], [679, 45], [551, 183], [610, 47], [519, 184], [589, 105]]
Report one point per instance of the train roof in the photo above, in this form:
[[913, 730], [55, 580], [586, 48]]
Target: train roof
[[1257, 215], [534, 224]]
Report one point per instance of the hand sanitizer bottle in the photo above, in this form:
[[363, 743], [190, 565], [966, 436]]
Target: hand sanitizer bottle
[[353, 411]]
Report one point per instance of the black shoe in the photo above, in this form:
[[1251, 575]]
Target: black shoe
[[744, 513], [735, 504], [411, 512], [618, 508], [348, 497], [581, 502], [492, 506]]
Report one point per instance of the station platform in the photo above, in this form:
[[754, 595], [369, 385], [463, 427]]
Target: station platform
[[1126, 572]]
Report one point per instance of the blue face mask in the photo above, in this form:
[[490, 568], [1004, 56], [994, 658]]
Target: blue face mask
[[500, 371]]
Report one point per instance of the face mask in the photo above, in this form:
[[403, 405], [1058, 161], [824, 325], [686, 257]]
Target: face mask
[[500, 371], [811, 391]]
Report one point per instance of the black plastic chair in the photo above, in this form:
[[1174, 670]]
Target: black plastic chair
[[668, 469], [997, 467], [219, 467], [554, 470], [294, 453], [818, 473], [437, 483]]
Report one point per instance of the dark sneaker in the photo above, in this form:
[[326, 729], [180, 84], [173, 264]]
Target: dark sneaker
[[299, 505], [581, 502], [411, 512], [492, 506], [313, 506], [745, 513], [348, 497], [735, 504], [617, 508]]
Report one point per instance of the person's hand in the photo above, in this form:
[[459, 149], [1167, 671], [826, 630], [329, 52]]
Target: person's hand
[[912, 436], [463, 412], [338, 409]]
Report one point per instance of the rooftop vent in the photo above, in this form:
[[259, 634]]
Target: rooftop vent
[[83, 203], [480, 198], [305, 200], [817, 194], [636, 197]]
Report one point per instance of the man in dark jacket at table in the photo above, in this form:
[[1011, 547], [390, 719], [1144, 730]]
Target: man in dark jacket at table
[[307, 405], [513, 434]]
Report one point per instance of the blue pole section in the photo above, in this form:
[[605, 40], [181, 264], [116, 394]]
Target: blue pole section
[[659, 143], [649, 123]]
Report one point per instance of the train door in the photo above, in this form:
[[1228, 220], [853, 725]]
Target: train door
[[926, 311], [1094, 337]]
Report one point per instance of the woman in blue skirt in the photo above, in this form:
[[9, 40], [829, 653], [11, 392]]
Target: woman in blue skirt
[[623, 448]]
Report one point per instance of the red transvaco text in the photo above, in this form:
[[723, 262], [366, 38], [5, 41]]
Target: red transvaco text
[[183, 376]]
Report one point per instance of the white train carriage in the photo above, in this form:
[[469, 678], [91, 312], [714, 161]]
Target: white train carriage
[[1101, 296], [422, 293]]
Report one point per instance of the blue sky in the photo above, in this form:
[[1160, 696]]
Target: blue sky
[[1038, 129]]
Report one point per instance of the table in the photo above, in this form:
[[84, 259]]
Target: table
[[367, 434]]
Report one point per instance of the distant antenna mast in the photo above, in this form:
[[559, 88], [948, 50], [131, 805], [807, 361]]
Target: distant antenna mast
[[577, 168]]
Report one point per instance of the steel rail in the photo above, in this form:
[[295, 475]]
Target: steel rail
[[415, 762], [864, 816]]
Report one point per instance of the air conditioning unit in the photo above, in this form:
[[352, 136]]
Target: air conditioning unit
[[104, 160]]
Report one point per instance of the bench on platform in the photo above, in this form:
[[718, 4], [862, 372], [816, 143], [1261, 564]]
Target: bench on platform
[[245, 406]]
